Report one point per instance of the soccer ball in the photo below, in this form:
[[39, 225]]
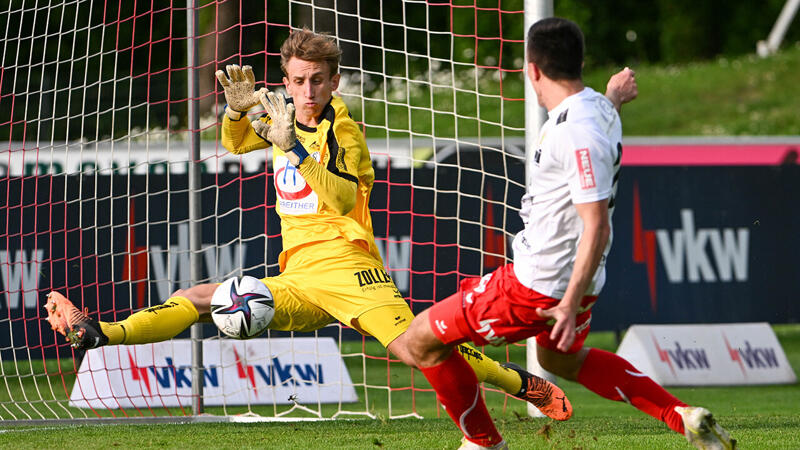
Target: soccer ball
[[242, 308]]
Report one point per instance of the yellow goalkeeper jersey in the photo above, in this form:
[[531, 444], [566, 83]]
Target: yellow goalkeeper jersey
[[327, 196]]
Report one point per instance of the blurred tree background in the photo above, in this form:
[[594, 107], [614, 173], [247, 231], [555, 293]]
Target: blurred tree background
[[105, 70], [671, 31]]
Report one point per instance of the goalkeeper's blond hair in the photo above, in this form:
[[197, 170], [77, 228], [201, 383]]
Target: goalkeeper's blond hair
[[310, 46]]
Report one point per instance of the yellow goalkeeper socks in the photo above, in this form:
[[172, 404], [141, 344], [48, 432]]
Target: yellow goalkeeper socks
[[154, 324], [490, 371]]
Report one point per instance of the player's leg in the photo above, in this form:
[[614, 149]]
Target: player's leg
[[509, 377], [497, 309], [456, 386], [605, 373], [187, 306], [614, 378], [434, 332], [388, 324], [155, 324], [293, 312]]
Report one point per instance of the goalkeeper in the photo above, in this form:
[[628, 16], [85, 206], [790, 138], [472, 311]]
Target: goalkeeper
[[323, 179]]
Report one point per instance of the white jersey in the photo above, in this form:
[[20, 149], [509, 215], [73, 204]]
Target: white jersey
[[577, 161]]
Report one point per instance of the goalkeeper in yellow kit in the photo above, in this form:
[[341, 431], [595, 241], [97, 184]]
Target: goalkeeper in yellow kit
[[323, 179]]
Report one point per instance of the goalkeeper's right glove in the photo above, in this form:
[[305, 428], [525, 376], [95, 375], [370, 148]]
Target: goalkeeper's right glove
[[239, 87], [281, 132]]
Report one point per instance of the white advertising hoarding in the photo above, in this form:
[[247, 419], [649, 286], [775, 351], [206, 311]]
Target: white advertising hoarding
[[702, 355], [256, 371]]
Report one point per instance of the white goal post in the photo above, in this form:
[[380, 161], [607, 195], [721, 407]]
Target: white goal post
[[115, 191], [769, 46]]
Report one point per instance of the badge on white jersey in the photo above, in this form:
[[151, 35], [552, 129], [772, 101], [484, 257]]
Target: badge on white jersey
[[585, 171], [295, 196]]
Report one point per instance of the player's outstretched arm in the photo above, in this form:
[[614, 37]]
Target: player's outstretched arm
[[596, 232], [622, 88], [238, 136]]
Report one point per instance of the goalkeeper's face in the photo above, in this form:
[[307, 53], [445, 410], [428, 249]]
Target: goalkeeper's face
[[310, 84]]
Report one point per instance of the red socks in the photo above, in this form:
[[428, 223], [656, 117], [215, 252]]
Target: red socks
[[614, 378], [457, 389], [604, 373]]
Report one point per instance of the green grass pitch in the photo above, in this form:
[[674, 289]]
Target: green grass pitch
[[759, 417]]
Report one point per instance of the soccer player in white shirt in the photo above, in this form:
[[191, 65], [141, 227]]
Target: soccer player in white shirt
[[559, 263]]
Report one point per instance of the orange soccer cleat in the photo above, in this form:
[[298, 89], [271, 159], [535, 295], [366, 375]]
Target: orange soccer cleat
[[81, 331], [542, 394]]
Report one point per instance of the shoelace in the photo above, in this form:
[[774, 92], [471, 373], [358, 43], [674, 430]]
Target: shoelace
[[539, 391], [77, 316]]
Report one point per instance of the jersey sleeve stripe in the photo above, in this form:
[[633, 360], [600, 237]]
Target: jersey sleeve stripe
[[333, 149]]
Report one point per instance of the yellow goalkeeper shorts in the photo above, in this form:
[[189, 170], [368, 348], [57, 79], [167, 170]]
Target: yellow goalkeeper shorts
[[338, 280]]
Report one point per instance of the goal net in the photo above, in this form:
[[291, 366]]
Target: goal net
[[94, 193]]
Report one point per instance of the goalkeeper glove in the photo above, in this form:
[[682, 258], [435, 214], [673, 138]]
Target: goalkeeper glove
[[239, 87], [261, 128], [281, 132]]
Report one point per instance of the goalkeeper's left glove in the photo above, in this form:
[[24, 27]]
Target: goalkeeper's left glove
[[239, 87]]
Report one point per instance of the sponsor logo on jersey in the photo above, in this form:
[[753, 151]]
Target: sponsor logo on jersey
[[374, 278], [441, 326], [290, 184], [295, 196], [369, 277], [585, 170]]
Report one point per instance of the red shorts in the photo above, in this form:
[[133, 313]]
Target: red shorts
[[498, 310]]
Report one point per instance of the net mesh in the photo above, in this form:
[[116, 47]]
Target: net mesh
[[94, 188]]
